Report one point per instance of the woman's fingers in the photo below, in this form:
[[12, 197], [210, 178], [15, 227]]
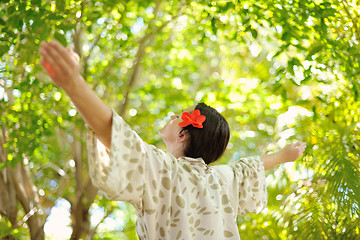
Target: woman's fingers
[[48, 61], [60, 64], [61, 52], [75, 56], [47, 67], [301, 147], [60, 61]]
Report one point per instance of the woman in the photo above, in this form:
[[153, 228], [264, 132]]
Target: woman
[[176, 193]]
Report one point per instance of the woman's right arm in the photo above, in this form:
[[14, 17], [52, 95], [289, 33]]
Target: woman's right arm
[[64, 70]]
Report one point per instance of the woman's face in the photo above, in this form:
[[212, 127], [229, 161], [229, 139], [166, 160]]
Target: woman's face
[[171, 131]]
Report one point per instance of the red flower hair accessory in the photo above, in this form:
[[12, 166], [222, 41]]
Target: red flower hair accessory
[[195, 119]]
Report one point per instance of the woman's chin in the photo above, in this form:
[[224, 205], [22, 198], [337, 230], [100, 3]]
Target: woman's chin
[[160, 132]]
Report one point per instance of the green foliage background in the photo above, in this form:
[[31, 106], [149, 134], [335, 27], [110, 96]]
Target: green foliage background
[[278, 70]]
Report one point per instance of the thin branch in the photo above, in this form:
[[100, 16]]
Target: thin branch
[[4, 196], [3, 153], [77, 156], [55, 167], [92, 231], [78, 27], [156, 10], [113, 61], [29, 186], [108, 69], [86, 58], [27, 216], [8, 193], [19, 189]]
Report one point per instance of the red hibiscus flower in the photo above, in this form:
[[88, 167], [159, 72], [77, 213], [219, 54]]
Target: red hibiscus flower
[[195, 119]]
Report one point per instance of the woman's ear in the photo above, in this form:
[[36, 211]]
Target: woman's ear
[[182, 136]]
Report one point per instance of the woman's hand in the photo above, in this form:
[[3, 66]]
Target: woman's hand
[[61, 64], [64, 69], [288, 154], [293, 151]]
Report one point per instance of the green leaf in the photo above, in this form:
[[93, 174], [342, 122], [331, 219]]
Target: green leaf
[[40, 30], [321, 100], [55, 17], [11, 10], [4, 48], [356, 92], [60, 5], [253, 32], [246, 21], [315, 48], [277, 86], [213, 25], [228, 5], [61, 38]]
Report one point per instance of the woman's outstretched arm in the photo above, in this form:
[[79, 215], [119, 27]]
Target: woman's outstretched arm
[[288, 154], [64, 70]]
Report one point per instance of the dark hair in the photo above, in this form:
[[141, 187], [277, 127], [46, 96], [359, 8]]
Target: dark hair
[[208, 142]]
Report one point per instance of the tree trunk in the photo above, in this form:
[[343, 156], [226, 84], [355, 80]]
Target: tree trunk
[[27, 196], [8, 201], [85, 191], [36, 228], [16, 186]]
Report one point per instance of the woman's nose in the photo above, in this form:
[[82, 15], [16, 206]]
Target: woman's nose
[[173, 117]]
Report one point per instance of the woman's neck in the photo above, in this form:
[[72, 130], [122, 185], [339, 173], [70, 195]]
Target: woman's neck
[[177, 153]]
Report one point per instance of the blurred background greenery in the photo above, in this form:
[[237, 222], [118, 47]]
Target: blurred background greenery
[[278, 70]]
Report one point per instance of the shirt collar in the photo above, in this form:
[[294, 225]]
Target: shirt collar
[[194, 160]]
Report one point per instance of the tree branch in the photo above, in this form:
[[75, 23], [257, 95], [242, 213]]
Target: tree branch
[[113, 61], [12, 195], [77, 156], [140, 53], [92, 232], [78, 27], [8, 202], [108, 68], [27, 216], [86, 58], [35, 225]]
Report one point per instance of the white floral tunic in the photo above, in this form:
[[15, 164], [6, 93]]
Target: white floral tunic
[[175, 198]]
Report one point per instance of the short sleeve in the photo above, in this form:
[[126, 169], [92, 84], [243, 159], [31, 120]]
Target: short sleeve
[[118, 172], [250, 184]]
